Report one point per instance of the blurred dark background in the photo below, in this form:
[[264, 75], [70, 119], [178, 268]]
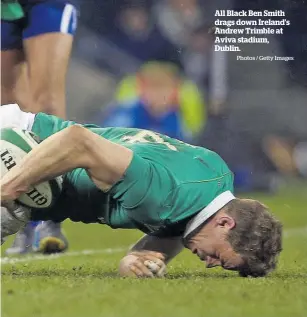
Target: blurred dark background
[[152, 64]]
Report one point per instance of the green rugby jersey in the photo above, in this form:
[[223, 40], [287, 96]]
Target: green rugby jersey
[[167, 183]]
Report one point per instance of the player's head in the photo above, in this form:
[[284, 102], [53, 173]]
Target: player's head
[[158, 84], [242, 236]]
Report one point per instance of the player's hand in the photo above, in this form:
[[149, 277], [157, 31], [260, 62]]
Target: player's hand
[[8, 204], [13, 218], [5, 196], [143, 264]]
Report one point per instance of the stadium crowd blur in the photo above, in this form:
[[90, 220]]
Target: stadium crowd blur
[[151, 64]]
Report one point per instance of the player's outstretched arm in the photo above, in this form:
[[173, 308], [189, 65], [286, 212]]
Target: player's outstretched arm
[[169, 247], [70, 148], [149, 256]]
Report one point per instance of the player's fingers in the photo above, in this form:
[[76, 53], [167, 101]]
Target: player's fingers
[[143, 268], [161, 272], [136, 271], [158, 271], [140, 272], [152, 258]]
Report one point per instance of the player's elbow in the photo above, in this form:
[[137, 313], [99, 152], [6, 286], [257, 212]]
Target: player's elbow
[[75, 130], [82, 138], [76, 135]]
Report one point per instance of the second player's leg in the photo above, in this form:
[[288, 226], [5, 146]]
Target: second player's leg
[[47, 61], [47, 43], [11, 61]]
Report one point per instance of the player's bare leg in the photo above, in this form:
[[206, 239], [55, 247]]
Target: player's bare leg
[[11, 63], [73, 147], [47, 58], [39, 85], [47, 62]]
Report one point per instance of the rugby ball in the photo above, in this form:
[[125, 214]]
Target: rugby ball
[[15, 143]]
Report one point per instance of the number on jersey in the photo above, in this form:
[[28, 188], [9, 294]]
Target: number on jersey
[[146, 136]]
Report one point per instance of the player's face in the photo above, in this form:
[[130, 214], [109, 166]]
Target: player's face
[[211, 245], [217, 253]]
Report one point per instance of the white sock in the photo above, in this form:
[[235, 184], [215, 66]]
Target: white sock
[[12, 117]]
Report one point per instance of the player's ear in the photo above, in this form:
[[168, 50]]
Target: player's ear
[[226, 222]]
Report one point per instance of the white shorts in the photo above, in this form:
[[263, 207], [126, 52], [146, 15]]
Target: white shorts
[[12, 117]]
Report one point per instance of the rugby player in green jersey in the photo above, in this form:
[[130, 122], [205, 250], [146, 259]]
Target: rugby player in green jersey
[[177, 194]]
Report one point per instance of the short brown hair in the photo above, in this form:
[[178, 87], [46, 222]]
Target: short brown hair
[[256, 236]]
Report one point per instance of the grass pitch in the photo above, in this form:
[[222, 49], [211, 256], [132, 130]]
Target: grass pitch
[[86, 284]]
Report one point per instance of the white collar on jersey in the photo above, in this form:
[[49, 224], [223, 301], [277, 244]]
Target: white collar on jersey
[[216, 204]]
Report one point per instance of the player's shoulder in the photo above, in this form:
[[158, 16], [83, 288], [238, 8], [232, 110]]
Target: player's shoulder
[[210, 156]]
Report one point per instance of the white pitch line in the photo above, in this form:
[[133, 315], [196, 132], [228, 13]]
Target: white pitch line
[[10, 260], [30, 258]]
